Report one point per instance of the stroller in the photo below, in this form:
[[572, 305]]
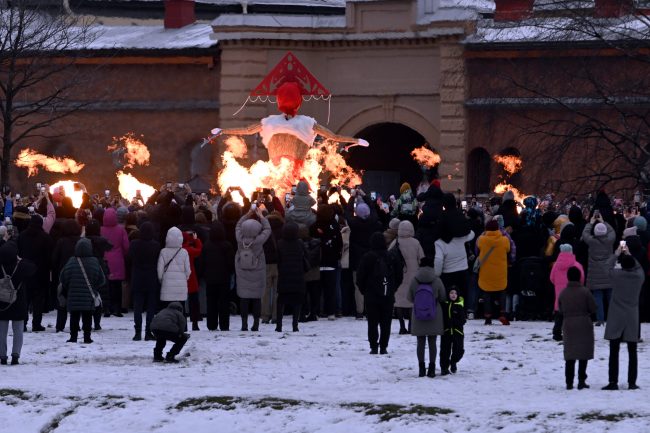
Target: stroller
[[532, 283]]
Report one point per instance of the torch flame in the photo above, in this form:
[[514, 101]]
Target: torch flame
[[502, 187], [511, 164], [135, 151], [72, 189], [129, 187], [336, 197], [30, 159], [426, 157], [236, 146]]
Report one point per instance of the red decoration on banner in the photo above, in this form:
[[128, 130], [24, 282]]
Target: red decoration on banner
[[289, 69]]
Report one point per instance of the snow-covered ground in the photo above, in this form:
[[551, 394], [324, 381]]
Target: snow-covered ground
[[320, 380]]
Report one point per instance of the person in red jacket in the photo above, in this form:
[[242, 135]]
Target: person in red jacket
[[192, 244]]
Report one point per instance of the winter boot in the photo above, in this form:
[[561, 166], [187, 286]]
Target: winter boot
[[432, 370], [583, 385], [157, 356], [37, 328], [374, 351], [453, 368], [488, 321], [3, 360], [423, 370], [87, 339], [383, 351], [148, 336], [73, 338], [171, 358], [295, 328], [610, 387], [14, 360], [256, 325], [195, 326], [444, 373], [138, 335], [631, 386]]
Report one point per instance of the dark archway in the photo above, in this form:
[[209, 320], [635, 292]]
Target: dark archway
[[387, 163], [478, 171]]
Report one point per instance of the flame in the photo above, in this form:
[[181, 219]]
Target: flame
[[135, 151], [30, 159], [426, 157], [284, 174], [129, 186], [502, 187], [72, 189], [511, 164], [236, 146], [336, 197]]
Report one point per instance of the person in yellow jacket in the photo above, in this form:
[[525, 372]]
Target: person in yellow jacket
[[493, 250]]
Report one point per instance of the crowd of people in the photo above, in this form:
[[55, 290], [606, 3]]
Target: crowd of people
[[428, 259]]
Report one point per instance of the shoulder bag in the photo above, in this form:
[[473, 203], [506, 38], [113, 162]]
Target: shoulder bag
[[478, 263], [96, 296]]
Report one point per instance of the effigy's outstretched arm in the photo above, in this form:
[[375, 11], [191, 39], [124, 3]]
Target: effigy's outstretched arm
[[326, 133], [247, 130]]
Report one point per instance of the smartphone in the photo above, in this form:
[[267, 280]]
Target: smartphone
[[287, 197], [463, 204], [181, 185], [373, 195], [31, 209], [107, 192], [596, 213], [42, 189], [18, 196], [168, 185], [253, 206], [623, 244], [38, 185]]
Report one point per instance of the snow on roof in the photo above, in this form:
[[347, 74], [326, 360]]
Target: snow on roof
[[308, 3], [548, 30], [280, 21], [431, 11], [196, 35]]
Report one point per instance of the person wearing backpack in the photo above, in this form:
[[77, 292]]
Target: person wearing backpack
[[427, 293], [252, 230], [14, 274], [173, 269], [377, 277], [411, 252], [452, 341]]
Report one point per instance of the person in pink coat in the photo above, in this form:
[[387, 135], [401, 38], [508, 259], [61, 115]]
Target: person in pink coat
[[565, 260], [117, 236]]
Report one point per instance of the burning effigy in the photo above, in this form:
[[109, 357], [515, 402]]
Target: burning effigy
[[512, 164], [298, 146]]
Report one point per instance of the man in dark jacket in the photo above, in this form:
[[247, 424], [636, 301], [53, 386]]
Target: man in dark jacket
[[170, 324], [292, 256], [331, 242], [363, 222], [428, 228], [145, 288], [217, 263], [377, 280], [36, 245]]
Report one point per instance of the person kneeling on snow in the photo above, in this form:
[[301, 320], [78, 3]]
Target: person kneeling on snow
[[452, 341], [170, 324]]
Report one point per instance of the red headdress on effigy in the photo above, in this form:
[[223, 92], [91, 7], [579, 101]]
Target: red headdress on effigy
[[290, 82]]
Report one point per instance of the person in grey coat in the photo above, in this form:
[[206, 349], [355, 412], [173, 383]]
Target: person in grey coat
[[170, 324], [577, 304], [427, 331], [252, 230], [623, 319], [599, 237]]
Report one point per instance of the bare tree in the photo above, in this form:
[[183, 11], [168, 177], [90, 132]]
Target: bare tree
[[590, 110], [39, 46]]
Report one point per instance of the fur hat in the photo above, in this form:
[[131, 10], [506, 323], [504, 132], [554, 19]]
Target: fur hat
[[566, 248], [405, 187], [508, 195], [600, 229], [629, 232]]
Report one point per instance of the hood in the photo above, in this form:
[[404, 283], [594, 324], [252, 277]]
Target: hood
[[84, 248], [569, 232], [174, 238], [405, 229], [71, 228], [290, 231], [146, 231], [231, 212], [187, 238], [449, 201], [575, 215], [377, 242], [404, 188], [121, 213], [251, 228], [394, 224], [302, 188], [93, 228], [566, 260], [425, 274], [217, 232], [175, 306], [110, 217], [187, 215], [640, 223]]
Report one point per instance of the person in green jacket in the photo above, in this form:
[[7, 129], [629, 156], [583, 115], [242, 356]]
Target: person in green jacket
[[80, 294], [453, 340]]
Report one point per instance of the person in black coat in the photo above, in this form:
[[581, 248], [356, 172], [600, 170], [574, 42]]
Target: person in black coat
[[36, 245], [453, 223], [378, 280], [17, 312], [143, 255], [363, 222], [63, 250], [292, 256], [101, 246], [331, 243], [217, 262], [428, 227]]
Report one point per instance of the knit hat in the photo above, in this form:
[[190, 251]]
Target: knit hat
[[362, 211], [600, 229], [121, 214], [641, 223], [629, 232], [405, 187], [566, 248], [508, 195], [492, 226], [394, 224]]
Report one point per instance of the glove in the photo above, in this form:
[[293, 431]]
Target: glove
[[363, 143]]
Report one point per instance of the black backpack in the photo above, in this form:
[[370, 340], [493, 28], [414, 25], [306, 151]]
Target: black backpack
[[383, 277], [397, 262]]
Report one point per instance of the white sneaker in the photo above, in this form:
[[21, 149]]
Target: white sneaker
[[331, 317]]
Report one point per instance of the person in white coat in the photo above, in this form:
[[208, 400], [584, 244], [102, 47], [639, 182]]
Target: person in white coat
[[412, 252], [451, 263], [173, 269]]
